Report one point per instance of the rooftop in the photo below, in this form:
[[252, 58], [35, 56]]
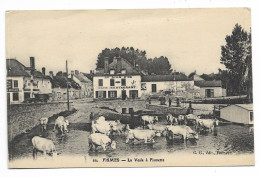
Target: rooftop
[[130, 69], [61, 81], [214, 83], [161, 78], [248, 107], [15, 68]]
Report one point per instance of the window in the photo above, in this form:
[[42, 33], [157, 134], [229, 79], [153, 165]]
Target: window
[[112, 94], [154, 88], [123, 71], [123, 110], [251, 117], [133, 94], [123, 83], [112, 71], [100, 94], [131, 110], [15, 96], [100, 82], [15, 83], [209, 93], [112, 82]]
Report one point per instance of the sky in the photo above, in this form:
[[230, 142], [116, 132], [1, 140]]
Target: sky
[[190, 38]]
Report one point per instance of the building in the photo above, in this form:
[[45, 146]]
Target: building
[[85, 82], [59, 88], [119, 79], [178, 84], [209, 89], [24, 82], [238, 113]]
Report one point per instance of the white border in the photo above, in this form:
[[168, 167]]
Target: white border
[[130, 4]]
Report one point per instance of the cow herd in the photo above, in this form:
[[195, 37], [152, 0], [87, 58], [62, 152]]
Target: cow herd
[[45, 145], [104, 131]]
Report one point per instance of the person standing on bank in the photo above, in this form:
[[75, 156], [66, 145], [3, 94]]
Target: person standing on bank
[[170, 102]]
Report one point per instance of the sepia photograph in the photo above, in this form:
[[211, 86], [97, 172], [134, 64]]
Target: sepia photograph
[[129, 88]]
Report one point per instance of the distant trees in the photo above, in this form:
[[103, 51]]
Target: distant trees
[[236, 55], [159, 65]]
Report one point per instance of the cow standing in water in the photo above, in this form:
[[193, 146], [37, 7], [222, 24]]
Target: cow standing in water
[[99, 139], [43, 145], [62, 124], [185, 131]]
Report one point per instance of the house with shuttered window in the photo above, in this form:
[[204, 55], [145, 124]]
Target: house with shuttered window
[[117, 80]]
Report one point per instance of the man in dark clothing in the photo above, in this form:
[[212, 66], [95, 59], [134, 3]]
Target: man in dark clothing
[[170, 102]]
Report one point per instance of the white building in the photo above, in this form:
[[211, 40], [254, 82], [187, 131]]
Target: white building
[[178, 84], [238, 113], [118, 79], [25, 82], [209, 89]]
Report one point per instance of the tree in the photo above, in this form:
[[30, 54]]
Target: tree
[[159, 65], [236, 56]]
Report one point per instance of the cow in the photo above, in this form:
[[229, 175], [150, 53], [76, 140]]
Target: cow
[[171, 120], [149, 119], [62, 124], [185, 131], [160, 129], [117, 126], [43, 123], [101, 127], [99, 139], [43, 145], [207, 124], [100, 119], [146, 135]]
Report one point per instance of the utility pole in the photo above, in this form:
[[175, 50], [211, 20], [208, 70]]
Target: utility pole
[[68, 97]]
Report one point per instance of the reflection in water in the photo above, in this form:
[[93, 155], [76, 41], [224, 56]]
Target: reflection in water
[[228, 138]]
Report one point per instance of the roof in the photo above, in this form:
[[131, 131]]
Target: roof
[[82, 78], [130, 69], [161, 78], [214, 83], [89, 76], [61, 81], [15, 68], [248, 107]]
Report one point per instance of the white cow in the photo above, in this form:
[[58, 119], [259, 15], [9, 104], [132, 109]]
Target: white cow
[[62, 124], [184, 131], [160, 129], [99, 139], [207, 124], [149, 119], [146, 135], [101, 127], [43, 145], [43, 123], [117, 126]]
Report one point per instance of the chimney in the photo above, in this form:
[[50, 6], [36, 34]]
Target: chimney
[[106, 65], [119, 64], [32, 63], [51, 74], [76, 72], [43, 71], [72, 74]]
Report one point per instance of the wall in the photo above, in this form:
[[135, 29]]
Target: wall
[[44, 85], [60, 94], [235, 114], [175, 111], [25, 116], [180, 86], [217, 91], [132, 83]]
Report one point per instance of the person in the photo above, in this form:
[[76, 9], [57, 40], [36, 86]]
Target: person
[[149, 100], [91, 117], [170, 102]]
